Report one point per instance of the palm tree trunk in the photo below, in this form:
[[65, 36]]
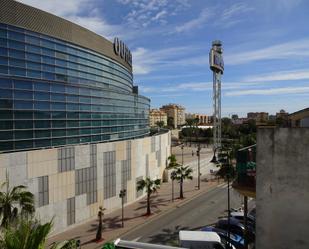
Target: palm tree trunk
[[181, 188], [148, 204]]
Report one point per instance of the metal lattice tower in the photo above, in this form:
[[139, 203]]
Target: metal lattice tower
[[217, 66]]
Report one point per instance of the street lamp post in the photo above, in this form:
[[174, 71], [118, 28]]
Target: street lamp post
[[182, 147], [173, 177], [122, 194], [198, 167]]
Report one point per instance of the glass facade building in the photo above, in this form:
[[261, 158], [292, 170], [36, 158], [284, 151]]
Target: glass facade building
[[54, 92]]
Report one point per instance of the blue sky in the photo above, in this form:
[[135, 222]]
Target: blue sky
[[266, 48]]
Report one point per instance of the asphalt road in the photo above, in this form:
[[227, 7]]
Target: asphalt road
[[199, 212]]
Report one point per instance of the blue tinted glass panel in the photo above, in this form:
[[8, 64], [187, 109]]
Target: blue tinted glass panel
[[42, 143], [47, 44], [17, 54], [61, 63], [34, 74], [33, 40], [48, 68], [19, 104], [48, 60], [48, 52], [22, 84], [24, 134], [4, 61], [16, 36], [25, 124], [41, 105], [41, 86], [6, 145], [72, 98], [17, 63], [6, 114], [33, 57], [17, 71], [23, 114], [6, 135], [57, 88], [57, 97], [42, 124], [42, 133], [58, 115], [6, 104], [57, 106], [24, 144], [41, 96], [48, 76], [72, 115], [3, 42], [41, 115], [4, 70], [3, 33], [3, 52], [23, 95], [6, 94], [16, 45], [33, 49], [59, 124], [32, 65]]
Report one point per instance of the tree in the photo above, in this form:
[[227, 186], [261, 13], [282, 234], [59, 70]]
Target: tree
[[181, 174], [151, 187], [15, 202], [172, 162], [27, 235], [160, 124]]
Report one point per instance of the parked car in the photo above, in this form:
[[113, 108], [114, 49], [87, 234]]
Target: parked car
[[236, 227], [236, 240], [241, 216]]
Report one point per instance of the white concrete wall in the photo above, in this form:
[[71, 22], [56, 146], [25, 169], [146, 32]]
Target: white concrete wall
[[26, 167], [282, 191]]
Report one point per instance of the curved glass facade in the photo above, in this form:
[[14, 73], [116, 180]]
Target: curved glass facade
[[54, 93]]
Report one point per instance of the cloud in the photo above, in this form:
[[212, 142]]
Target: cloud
[[143, 13], [145, 60], [270, 91], [281, 76], [288, 50], [195, 23], [74, 11]]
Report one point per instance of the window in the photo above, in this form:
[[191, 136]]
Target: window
[[43, 191], [66, 159], [70, 211], [109, 168]]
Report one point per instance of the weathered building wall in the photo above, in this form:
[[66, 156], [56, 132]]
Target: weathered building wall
[[282, 192]]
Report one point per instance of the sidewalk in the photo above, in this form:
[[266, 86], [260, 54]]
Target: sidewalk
[[134, 214]]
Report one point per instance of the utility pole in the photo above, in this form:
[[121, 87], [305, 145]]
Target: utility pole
[[182, 146], [198, 167], [173, 176]]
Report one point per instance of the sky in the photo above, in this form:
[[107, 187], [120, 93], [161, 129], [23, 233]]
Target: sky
[[265, 42]]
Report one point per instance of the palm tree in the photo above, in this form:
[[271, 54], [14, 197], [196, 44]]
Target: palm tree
[[172, 162], [181, 174], [151, 187], [15, 201], [27, 235]]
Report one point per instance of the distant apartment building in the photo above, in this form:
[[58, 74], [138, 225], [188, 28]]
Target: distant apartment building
[[300, 118], [239, 121], [176, 113], [156, 116], [259, 117], [203, 119]]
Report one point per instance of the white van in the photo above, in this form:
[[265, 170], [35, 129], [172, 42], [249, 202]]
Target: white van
[[200, 240]]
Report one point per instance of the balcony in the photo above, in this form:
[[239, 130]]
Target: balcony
[[245, 182]]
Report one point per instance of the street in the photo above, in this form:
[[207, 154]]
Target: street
[[201, 211]]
